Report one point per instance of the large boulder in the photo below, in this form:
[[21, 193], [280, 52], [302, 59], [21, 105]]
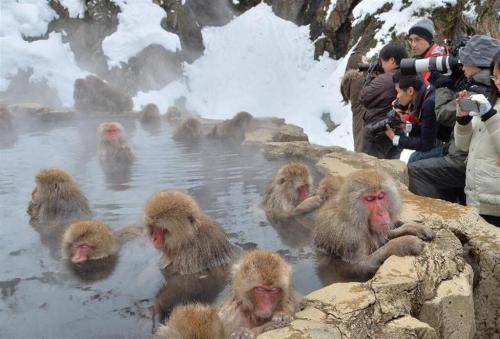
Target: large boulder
[[95, 95]]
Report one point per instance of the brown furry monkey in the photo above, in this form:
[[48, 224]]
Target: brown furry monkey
[[328, 188], [188, 130], [113, 148], [357, 226], [193, 321], [234, 128], [289, 187], [189, 239], [262, 296], [8, 135], [57, 198], [150, 114]]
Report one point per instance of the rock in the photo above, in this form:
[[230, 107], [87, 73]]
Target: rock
[[451, 311], [297, 149], [95, 95], [304, 329], [289, 133], [28, 108], [407, 327]]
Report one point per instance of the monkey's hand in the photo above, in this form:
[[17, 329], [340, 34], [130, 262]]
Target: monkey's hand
[[413, 228], [278, 320], [308, 205], [242, 333], [405, 245]]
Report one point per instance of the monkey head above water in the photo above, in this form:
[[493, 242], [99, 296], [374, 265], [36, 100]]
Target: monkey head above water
[[193, 321], [189, 239], [113, 148], [262, 296], [289, 187], [57, 198], [357, 226], [88, 240]]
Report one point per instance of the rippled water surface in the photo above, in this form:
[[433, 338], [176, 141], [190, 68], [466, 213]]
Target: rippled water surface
[[40, 297]]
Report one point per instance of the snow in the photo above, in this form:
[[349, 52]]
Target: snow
[[49, 59], [331, 8], [265, 65], [76, 8], [139, 27], [398, 20]]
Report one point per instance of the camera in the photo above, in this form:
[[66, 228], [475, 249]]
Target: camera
[[441, 64], [392, 120], [371, 67]]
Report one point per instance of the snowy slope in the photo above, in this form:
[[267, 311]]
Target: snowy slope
[[264, 65]]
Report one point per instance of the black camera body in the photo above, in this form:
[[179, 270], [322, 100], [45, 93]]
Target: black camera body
[[378, 128]]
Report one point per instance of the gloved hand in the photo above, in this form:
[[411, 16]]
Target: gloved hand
[[483, 103]]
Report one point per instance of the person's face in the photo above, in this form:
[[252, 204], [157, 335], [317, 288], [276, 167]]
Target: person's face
[[405, 96], [388, 65], [496, 77], [418, 44], [469, 71]]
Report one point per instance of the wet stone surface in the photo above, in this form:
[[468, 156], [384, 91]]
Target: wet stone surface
[[41, 297]]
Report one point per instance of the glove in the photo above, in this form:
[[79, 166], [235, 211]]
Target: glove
[[483, 103]]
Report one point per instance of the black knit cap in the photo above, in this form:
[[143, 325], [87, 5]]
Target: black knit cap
[[424, 29]]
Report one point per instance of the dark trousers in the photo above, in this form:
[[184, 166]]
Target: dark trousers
[[380, 146], [437, 178], [434, 152], [492, 219]]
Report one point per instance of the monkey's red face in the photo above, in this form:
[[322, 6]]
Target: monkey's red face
[[303, 191], [112, 134], [377, 204], [80, 253], [158, 237], [265, 300]]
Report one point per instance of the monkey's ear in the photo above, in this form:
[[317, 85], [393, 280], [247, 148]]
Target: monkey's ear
[[281, 181], [191, 218]]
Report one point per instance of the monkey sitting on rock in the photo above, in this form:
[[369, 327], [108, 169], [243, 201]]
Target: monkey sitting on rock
[[359, 227]]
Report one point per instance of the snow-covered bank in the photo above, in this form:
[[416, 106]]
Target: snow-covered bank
[[50, 59], [264, 65]]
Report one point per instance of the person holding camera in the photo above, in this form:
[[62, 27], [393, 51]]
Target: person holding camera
[[478, 130], [444, 177], [420, 122], [377, 96], [421, 38]]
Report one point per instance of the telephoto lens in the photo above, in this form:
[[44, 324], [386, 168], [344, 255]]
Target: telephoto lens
[[441, 64]]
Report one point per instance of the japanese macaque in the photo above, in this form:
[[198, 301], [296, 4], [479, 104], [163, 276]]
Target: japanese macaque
[[88, 240], [113, 149], [150, 114], [328, 188], [188, 130], [234, 128], [189, 239], [359, 226], [194, 321], [91, 248], [289, 187], [7, 133], [262, 296], [57, 198]]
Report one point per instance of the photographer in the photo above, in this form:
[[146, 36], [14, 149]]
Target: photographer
[[480, 135], [412, 92], [377, 96], [444, 177], [421, 38]]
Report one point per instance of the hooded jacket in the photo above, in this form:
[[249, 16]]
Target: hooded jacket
[[377, 97], [482, 180]]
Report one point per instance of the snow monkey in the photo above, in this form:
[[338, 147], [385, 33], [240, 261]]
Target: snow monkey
[[357, 226], [289, 187], [193, 321], [234, 128], [113, 149], [262, 296], [150, 114], [7, 134], [188, 130], [328, 188], [189, 239], [57, 198]]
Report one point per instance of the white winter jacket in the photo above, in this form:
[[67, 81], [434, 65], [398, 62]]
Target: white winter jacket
[[482, 180]]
